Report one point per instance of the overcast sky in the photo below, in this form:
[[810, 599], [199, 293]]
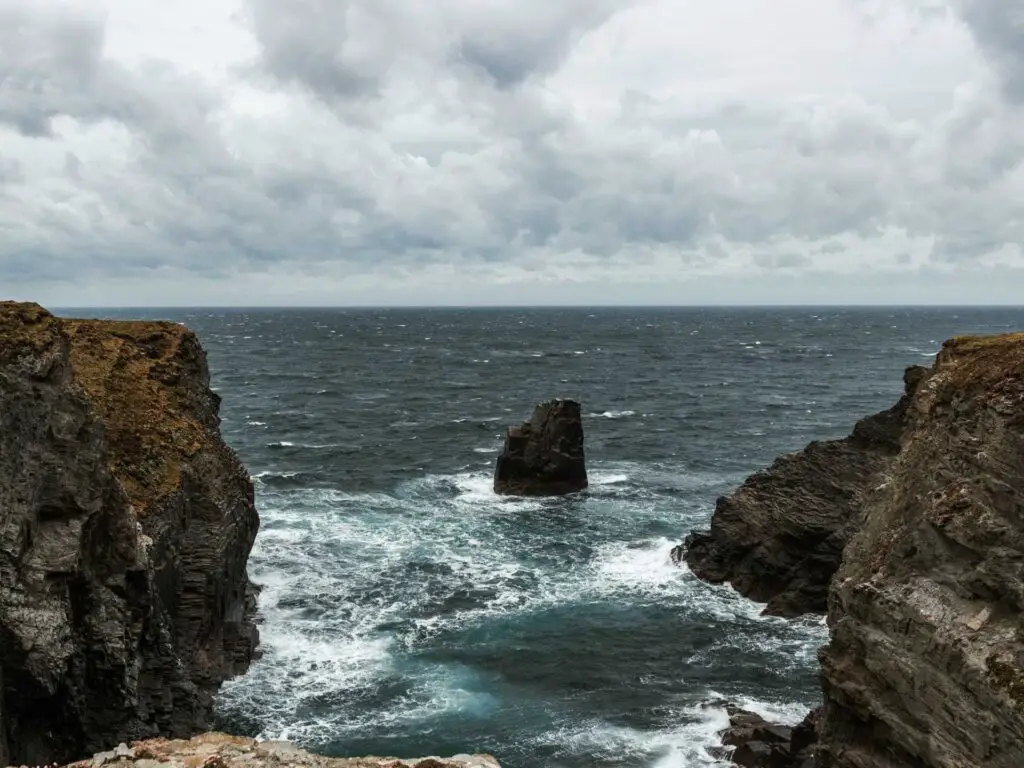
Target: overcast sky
[[219, 152]]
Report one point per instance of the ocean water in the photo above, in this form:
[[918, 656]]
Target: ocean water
[[406, 610]]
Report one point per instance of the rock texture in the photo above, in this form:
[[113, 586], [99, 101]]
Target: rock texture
[[925, 663], [125, 525], [925, 667], [218, 750], [752, 742], [544, 456], [779, 538]]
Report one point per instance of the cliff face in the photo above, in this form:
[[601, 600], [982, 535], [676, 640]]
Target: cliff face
[[779, 537], [926, 661], [125, 525]]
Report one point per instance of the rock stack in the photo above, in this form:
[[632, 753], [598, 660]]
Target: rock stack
[[544, 456]]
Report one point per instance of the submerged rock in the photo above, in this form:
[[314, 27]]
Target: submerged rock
[[125, 526], [218, 750], [544, 456], [779, 537]]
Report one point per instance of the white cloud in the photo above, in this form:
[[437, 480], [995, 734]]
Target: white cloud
[[379, 151]]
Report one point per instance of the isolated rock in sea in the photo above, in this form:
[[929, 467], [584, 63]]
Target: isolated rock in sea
[[544, 456], [925, 666], [218, 750], [779, 537], [125, 526]]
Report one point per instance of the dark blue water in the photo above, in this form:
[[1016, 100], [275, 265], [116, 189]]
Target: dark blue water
[[406, 610]]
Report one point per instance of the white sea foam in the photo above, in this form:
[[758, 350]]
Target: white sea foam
[[612, 414], [349, 580]]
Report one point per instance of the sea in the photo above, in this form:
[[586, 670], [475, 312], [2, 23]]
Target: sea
[[407, 610]]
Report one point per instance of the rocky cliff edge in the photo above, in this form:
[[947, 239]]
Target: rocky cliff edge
[[925, 659], [125, 526]]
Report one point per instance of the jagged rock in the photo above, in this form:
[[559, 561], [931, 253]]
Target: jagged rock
[[924, 666], [218, 750], [760, 744], [125, 526], [544, 456], [779, 538]]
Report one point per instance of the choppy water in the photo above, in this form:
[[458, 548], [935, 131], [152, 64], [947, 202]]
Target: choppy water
[[407, 610]]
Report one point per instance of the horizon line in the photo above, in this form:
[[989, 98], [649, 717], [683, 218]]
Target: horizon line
[[435, 307]]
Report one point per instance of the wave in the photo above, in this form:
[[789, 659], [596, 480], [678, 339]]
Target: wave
[[612, 414], [359, 587]]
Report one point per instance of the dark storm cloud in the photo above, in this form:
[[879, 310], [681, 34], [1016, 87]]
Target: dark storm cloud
[[998, 27], [309, 42], [533, 40]]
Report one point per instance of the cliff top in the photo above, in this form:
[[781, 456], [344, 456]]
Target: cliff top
[[973, 363], [146, 380], [25, 327]]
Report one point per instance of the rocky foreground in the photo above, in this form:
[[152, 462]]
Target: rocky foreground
[[218, 750], [924, 665]]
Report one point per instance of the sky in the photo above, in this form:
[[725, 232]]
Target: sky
[[511, 152]]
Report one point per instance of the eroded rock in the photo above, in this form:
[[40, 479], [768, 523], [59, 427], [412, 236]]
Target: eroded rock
[[779, 537], [544, 456], [218, 750], [924, 666], [125, 526]]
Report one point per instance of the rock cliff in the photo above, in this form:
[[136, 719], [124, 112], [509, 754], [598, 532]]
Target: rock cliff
[[125, 526], [544, 456], [779, 537], [924, 664]]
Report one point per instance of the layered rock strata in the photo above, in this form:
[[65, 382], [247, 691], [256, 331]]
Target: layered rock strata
[[544, 456], [924, 664], [125, 526]]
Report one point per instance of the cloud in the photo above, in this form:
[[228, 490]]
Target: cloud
[[998, 26], [393, 150]]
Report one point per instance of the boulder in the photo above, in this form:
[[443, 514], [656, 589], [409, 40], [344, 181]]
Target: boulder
[[544, 456], [125, 526]]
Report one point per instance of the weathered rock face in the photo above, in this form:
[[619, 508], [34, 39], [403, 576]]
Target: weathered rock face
[[753, 742], [218, 750], [925, 667], [780, 536], [544, 456], [125, 525]]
